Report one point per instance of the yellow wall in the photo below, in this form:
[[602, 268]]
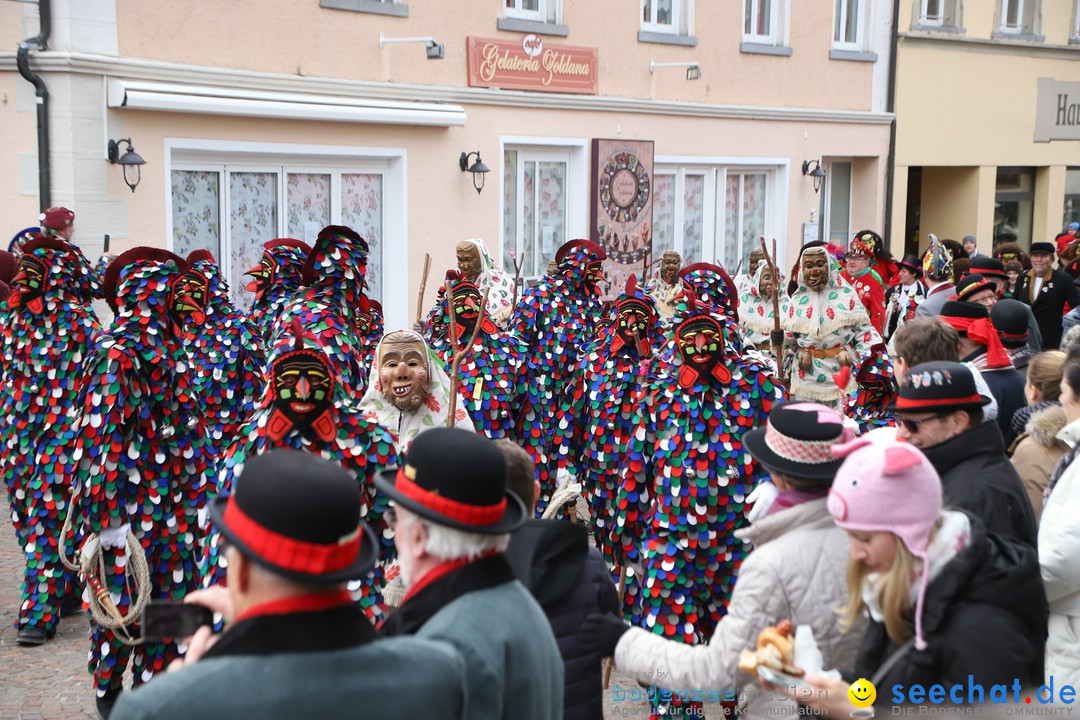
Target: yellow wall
[[18, 149]]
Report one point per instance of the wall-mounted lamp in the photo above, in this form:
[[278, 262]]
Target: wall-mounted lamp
[[130, 159], [693, 69], [817, 173], [435, 50], [478, 169]]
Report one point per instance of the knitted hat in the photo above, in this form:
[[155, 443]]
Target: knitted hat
[[56, 218], [1014, 266], [1074, 226], [969, 239], [889, 486]]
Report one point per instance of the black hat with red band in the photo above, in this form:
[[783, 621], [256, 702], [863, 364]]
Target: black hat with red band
[[457, 479], [938, 387], [299, 516]]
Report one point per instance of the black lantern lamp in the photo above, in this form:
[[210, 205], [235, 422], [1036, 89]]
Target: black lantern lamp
[[129, 160], [478, 169], [817, 173]]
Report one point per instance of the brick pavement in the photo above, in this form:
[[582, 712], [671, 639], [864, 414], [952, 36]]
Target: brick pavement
[[45, 682]]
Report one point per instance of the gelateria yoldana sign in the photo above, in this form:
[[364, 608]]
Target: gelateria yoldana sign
[[531, 64]]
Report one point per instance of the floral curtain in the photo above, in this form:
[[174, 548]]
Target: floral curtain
[[693, 217], [551, 208], [510, 210], [195, 211], [731, 255], [307, 203], [362, 210], [253, 219], [663, 231]]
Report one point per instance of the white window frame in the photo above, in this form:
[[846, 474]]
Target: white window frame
[[1028, 13], [226, 157], [825, 220], [677, 10], [576, 152], [841, 9], [930, 20], [714, 222], [517, 12], [1074, 36], [775, 35]]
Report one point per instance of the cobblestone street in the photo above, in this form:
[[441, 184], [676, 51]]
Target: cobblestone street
[[45, 682]]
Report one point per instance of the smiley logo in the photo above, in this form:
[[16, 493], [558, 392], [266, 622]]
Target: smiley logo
[[862, 693]]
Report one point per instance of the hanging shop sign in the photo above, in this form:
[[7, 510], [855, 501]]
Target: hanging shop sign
[[622, 207], [531, 64]]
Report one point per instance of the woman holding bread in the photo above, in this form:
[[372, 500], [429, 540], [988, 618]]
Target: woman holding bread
[[795, 572], [946, 599]]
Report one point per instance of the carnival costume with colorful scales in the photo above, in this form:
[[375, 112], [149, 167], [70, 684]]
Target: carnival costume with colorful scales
[[275, 280], [139, 454], [555, 318], [46, 339]]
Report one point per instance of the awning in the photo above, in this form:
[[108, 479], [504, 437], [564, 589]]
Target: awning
[[210, 100]]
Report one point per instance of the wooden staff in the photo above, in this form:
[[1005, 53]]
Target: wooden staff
[[610, 663], [518, 264], [423, 287], [776, 337], [459, 354]]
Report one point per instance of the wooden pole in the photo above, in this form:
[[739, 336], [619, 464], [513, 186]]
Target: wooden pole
[[518, 264], [423, 286], [458, 355], [776, 338]]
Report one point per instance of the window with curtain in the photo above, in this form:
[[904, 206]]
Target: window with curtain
[[712, 213], [673, 17], [535, 191], [760, 23], [231, 210], [937, 13], [847, 25]]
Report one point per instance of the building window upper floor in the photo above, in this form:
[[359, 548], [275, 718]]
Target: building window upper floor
[[851, 21], [667, 21], [1018, 19], [765, 27], [533, 16], [939, 15]]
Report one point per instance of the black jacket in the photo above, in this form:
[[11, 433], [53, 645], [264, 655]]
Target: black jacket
[[1007, 387], [977, 477], [1049, 305], [570, 580], [984, 616]]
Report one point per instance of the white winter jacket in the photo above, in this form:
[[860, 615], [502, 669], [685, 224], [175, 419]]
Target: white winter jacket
[[1059, 535], [796, 571]]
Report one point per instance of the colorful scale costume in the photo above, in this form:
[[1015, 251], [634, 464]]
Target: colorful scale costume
[[304, 409], [687, 475], [369, 330], [46, 338], [226, 353], [139, 452], [334, 275], [277, 278], [555, 318], [596, 423], [490, 374]]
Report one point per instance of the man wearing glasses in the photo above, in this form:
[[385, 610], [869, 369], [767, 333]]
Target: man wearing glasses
[[941, 413]]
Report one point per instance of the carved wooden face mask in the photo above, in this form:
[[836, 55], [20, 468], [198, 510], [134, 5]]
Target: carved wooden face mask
[[468, 261], [30, 282], [263, 275], [403, 373], [189, 298], [815, 270], [302, 388]]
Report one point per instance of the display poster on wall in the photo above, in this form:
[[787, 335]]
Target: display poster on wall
[[622, 206], [531, 64]]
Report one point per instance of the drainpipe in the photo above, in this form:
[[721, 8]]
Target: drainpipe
[[22, 59], [890, 106]]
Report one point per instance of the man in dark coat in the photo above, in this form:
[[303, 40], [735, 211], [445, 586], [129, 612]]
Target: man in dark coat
[[940, 413], [980, 347], [453, 517], [1047, 290], [569, 579], [296, 645]]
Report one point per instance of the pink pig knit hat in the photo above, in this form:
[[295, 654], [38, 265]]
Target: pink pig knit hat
[[885, 485]]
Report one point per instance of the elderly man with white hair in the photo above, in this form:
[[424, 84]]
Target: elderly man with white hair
[[452, 525]]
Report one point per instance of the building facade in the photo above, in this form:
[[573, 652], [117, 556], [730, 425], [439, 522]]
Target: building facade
[[988, 121], [270, 119]]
